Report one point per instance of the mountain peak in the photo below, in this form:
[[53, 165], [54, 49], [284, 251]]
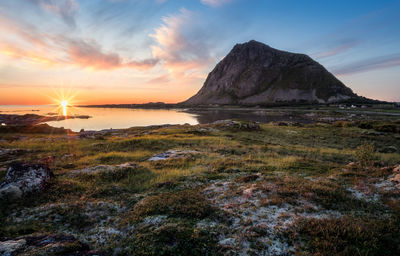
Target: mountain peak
[[251, 45], [254, 73]]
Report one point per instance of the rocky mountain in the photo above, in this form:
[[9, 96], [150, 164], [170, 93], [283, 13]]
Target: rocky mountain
[[254, 74]]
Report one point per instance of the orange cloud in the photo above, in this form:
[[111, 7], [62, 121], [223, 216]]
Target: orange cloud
[[31, 56], [23, 41], [90, 55]]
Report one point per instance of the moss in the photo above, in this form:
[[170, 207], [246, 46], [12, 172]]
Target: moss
[[343, 124], [348, 236], [310, 167], [330, 195], [172, 239], [387, 127], [20, 230], [185, 204], [247, 178], [2, 175]]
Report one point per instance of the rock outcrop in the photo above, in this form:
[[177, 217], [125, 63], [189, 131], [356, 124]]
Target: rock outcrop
[[237, 125], [22, 179], [105, 168], [58, 244], [256, 74], [173, 154]]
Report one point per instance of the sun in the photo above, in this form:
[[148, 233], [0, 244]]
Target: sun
[[64, 103]]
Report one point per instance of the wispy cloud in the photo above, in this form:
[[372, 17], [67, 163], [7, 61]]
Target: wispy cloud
[[90, 54], [339, 48], [163, 79], [24, 41], [215, 3], [67, 9], [180, 44], [369, 64]]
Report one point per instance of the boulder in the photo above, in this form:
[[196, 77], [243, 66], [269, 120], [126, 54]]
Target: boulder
[[58, 244], [11, 247], [389, 149], [395, 178], [237, 125], [22, 179], [104, 168], [10, 154], [172, 154]]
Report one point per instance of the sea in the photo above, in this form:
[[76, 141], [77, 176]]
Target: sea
[[119, 118]]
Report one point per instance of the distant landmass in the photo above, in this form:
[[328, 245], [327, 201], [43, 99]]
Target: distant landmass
[[255, 74]]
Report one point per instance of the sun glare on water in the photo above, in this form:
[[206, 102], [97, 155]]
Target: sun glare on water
[[64, 101], [64, 105]]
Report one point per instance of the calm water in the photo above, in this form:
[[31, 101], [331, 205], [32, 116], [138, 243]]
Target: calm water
[[117, 118], [106, 118]]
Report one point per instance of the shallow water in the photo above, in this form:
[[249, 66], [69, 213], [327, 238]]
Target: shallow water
[[106, 118], [118, 118]]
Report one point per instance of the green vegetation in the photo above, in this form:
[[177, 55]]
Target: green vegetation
[[190, 205], [172, 239], [349, 236], [365, 154], [185, 204]]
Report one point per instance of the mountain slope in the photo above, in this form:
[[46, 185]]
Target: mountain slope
[[254, 73]]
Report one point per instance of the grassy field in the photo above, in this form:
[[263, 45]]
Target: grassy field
[[315, 189]]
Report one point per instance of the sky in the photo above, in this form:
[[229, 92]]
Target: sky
[[138, 51]]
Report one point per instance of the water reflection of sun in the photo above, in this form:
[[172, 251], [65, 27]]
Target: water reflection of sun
[[64, 101], [64, 104]]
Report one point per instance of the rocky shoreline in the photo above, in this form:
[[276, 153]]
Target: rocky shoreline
[[32, 119]]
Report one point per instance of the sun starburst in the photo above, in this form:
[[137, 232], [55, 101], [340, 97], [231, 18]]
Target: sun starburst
[[64, 101]]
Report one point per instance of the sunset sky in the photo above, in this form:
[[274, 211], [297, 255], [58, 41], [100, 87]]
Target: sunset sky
[[136, 51]]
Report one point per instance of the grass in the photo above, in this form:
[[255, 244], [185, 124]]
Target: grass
[[348, 236], [172, 239], [185, 204], [290, 164]]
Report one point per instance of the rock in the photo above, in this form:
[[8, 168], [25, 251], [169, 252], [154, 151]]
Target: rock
[[47, 160], [22, 179], [155, 220], [390, 149], [87, 134], [58, 244], [104, 168], [67, 156], [237, 125], [228, 242], [10, 154], [396, 169], [350, 166], [255, 74], [172, 154], [10, 191], [167, 184], [10, 247], [395, 178], [248, 192]]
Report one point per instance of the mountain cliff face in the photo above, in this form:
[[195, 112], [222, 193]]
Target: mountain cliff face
[[254, 74]]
